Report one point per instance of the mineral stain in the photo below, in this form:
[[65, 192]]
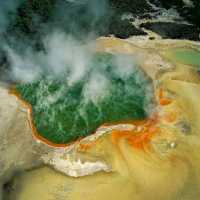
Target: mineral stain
[[64, 112]]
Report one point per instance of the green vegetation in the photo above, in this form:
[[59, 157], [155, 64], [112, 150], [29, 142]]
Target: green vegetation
[[64, 112]]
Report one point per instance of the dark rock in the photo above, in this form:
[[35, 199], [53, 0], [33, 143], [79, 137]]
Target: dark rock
[[136, 7], [152, 38], [124, 29], [4, 66], [171, 3], [173, 30], [190, 13], [36, 18]]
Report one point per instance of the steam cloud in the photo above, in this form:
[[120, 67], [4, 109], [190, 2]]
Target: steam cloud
[[7, 12], [60, 48], [64, 53], [61, 52]]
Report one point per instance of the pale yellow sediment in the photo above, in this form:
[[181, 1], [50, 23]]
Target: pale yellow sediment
[[160, 172]]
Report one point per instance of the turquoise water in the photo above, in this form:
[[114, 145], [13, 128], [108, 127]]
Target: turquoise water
[[186, 56]]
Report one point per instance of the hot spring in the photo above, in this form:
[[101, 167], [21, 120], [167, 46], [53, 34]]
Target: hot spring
[[114, 89]]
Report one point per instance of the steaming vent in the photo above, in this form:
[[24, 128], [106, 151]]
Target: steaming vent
[[83, 91]]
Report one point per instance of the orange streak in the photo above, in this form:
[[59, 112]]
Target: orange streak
[[134, 138], [163, 101], [35, 133], [161, 93], [137, 139], [86, 146]]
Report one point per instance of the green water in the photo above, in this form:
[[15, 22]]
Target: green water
[[186, 56], [64, 112]]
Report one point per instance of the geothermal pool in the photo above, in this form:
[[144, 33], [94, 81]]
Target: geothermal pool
[[110, 92], [186, 56], [153, 157]]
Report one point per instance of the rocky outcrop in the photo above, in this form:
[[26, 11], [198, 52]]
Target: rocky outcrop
[[189, 9], [171, 30]]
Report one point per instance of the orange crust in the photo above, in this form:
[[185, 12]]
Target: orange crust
[[135, 139], [88, 145], [163, 101], [138, 139], [35, 133]]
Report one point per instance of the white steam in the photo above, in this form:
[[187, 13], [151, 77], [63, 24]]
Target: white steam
[[22, 67], [66, 53], [63, 53], [7, 12], [124, 65], [96, 88]]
